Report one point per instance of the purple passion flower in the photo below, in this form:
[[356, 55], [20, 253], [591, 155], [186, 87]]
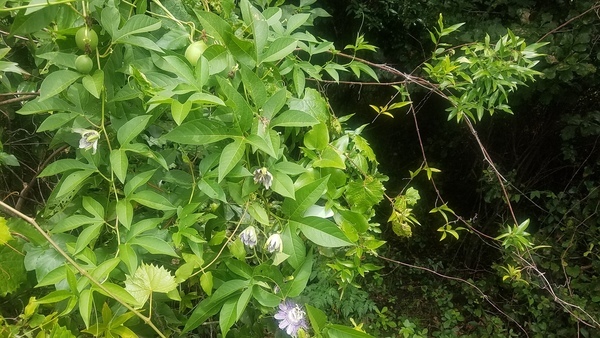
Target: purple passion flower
[[248, 237], [291, 318]]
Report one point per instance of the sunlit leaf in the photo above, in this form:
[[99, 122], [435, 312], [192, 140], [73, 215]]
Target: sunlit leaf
[[148, 279]]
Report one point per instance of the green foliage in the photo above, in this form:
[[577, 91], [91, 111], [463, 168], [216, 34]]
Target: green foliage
[[171, 158], [481, 76]]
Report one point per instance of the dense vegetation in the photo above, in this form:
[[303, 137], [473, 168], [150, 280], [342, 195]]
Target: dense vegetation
[[261, 168]]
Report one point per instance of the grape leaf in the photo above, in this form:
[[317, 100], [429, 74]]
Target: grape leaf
[[148, 279]]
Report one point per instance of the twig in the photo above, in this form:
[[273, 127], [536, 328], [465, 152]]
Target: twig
[[18, 99], [569, 21]]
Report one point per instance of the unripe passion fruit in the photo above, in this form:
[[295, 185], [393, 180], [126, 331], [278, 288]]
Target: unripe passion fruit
[[194, 51], [84, 64], [86, 36]]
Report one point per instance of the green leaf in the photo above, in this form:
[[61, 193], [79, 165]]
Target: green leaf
[[56, 82], [88, 235], [305, 197], [50, 105], [279, 49], [293, 246], [148, 279], [140, 41], [312, 103], [146, 224], [317, 318], [357, 220], [86, 301], [129, 257], [231, 155], [204, 98], [322, 232], [124, 211], [283, 185], [55, 276], [180, 111], [56, 121], [177, 66], [263, 143], [94, 84], [65, 165], [260, 27], [93, 207], [138, 181], [294, 118], [55, 297], [206, 282], [102, 271], [330, 158], [152, 200], [297, 285], [198, 132], [119, 163], [289, 168], [132, 128], [258, 213], [242, 302], [239, 268], [274, 104], [265, 298], [8, 159], [118, 291], [296, 21], [212, 304], [153, 245], [136, 24], [254, 85], [212, 189], [317, 138], [214, 25], [227, 315], [243, 113], [358, 67]]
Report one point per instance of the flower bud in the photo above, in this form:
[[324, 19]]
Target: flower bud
[[248, 237], [274, 243]]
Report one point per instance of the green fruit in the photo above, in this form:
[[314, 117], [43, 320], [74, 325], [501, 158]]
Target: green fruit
[[86, 37], [194, 51], [84, 64]]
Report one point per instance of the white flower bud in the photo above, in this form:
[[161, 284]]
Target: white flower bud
[[274, 243], [248, 237]]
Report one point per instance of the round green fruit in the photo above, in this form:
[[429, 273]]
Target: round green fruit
[[84, 64], [86, 37], [194, 51]]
